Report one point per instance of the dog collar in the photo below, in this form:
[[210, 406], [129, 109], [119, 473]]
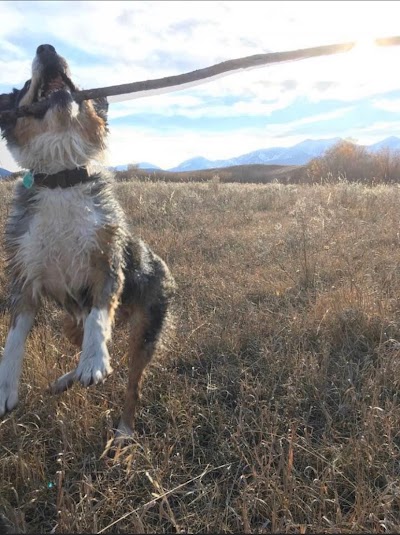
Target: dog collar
[[63, 179]]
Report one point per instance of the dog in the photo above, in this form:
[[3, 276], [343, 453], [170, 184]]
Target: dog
[[67, 239]]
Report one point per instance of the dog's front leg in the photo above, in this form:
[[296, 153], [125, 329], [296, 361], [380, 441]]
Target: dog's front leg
[[94, 365], [107, 280], [22, 319]]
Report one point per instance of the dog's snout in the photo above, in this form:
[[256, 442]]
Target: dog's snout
[[47, 58], [45, 49]]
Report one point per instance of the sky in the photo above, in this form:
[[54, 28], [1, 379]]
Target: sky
[[356, 94]]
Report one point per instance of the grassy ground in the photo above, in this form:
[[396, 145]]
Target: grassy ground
[[255, 174], [274, 408]]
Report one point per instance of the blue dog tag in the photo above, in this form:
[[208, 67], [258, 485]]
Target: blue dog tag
[[27, 181]]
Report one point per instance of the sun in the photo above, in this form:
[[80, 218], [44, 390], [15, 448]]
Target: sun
[[366, 49], [371, 59]]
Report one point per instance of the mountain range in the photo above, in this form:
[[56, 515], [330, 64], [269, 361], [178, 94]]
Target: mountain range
[[299, 154]]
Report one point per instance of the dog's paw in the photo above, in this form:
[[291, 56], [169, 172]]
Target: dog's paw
[[8, 397], [123, 437], [63, 383], [123, 434], [92, 371]]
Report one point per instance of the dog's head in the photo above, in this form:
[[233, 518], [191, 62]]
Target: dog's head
[[66, 134]]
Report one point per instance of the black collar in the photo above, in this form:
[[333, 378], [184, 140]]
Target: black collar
[[63, 179]]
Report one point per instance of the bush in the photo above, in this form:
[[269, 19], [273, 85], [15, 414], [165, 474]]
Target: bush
[[348, 161]]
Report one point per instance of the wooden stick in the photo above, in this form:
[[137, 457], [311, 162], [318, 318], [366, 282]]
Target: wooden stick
[[170, 81], [208, 72]]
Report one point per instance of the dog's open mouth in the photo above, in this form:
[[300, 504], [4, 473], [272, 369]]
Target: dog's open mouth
[[53, 83]]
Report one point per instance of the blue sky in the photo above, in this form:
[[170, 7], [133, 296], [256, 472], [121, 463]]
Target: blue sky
[[349, 95]]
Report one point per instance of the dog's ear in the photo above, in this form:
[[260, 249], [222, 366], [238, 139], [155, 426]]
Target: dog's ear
[[22, 92], [9, 101], [6, 101], [101, 107]]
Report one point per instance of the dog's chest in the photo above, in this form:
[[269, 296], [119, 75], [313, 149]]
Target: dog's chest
[[55, 253]]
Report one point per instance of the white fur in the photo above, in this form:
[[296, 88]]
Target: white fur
[[54, 151], [54, 254], [94, 364], [11, 363]]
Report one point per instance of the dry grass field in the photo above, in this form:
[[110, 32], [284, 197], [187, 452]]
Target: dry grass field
[[256, 173], [275, 406]]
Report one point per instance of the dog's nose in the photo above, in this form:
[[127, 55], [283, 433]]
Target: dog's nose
[[45, 49]]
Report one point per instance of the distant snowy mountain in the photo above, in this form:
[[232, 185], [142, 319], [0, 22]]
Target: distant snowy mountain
[[303, 152], [392, 143], [141, 165], [4, 172], [147, 165], [122, 167], [198, 162], [299, 154]]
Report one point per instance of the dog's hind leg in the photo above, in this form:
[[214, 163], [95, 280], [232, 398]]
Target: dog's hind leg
[[73, 329], [22, 318], [140, 353], [149, 318]]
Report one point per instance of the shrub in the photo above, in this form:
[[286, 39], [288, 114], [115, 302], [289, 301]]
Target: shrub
[[348, 161]]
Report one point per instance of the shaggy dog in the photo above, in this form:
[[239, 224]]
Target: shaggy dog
[[67, 239]]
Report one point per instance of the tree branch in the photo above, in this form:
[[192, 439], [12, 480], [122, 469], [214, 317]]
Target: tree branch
[[170, 81], [215, 70]]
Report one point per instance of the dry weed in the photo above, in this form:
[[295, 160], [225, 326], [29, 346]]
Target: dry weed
[[275, 407]]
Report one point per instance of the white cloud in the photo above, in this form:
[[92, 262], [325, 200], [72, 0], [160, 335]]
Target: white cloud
[[12, 19], [143, 40], [130, 144], [291, 127], [260, 92], [132, 41], [390, 105], [163, 36]]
